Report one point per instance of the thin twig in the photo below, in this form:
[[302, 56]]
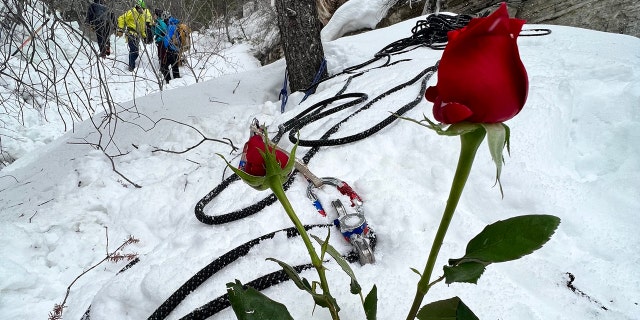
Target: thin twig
[[110, 157], [204, 139], [10, 176], [114, 256], [46, 202], [211, 100], [15, 205], [106, 235], [193, 161], [113, 166], [34, 214]]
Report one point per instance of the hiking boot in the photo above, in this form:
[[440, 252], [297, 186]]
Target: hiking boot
[[131, 69]]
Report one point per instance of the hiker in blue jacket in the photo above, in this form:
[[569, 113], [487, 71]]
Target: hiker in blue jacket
[[101, 19], [171, 43]]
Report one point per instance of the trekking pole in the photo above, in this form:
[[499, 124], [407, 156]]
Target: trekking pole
[[30, 37]]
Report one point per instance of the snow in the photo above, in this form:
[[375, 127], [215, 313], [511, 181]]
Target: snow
[[573, 155], [32, 122], [354, 15]]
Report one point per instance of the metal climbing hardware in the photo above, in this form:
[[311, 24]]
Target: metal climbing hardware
[[253, 130], [342, 187], [353, 226]]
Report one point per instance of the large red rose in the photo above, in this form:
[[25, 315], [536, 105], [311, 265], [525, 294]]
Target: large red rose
[[255, 162], [481, 78]]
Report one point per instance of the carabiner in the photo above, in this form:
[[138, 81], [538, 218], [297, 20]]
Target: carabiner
[[353, 226]]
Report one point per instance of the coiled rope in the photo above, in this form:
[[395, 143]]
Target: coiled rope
[[431, 32], [294, 124]]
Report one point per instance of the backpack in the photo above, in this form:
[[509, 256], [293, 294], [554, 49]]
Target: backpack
[[98, 16], [148, 34], [185, 37], [173, 40]]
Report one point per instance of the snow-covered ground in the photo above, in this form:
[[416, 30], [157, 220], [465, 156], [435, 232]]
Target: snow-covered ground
[[28, 121], [573, 154]]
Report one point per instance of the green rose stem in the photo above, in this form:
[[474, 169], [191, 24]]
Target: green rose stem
[[470, 142], [275, 184]]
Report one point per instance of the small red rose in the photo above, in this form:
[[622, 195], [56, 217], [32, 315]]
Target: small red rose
[[255, 165]]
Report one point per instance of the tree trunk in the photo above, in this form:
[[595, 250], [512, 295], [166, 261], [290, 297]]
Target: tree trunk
[[300, 33], [431, 6]]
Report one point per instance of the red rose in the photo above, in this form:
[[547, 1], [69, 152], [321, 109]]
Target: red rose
[[481, 78], [255, 162]]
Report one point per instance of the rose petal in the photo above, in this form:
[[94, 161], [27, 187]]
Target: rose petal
[[431, 94], [454, 113], [282, 158]]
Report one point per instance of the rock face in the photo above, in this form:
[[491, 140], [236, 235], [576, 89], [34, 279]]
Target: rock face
[[326, 8], [616, 16]]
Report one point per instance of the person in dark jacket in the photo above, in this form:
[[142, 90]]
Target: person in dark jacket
[[101, 19]]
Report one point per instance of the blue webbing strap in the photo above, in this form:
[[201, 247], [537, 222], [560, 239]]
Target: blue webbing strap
[[283, 93], [316, 79]]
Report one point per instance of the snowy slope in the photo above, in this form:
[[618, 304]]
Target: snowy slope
[[573, 154]]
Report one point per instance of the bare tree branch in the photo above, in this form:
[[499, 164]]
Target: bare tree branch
[[204, 139], [114, 256]]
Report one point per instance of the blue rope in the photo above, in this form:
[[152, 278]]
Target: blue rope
[[316, 79], [283, 93]]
